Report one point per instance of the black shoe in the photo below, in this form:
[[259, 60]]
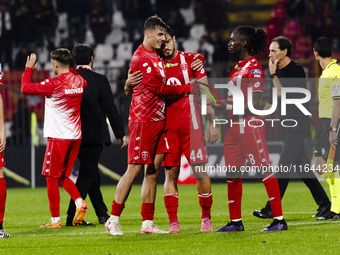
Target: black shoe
[[330, 216], [103, 219], [84, 223], [263, 214], [322, 211]]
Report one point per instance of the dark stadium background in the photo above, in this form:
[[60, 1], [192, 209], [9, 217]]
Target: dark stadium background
[[113, 28]]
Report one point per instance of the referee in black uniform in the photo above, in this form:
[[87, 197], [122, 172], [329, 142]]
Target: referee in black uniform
[[286, 73], [96, 105]]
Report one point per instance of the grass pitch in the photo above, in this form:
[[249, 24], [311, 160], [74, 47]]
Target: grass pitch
[[27, 209]]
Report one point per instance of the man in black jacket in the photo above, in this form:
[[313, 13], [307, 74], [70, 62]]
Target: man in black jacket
[[287, 73], [96, 105]]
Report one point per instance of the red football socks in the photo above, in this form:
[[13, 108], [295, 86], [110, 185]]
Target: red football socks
[[234, 198], [117, 208], [3, 194], [273, 191], [171, 205], [205, 201], [53, 196], [70, 187], [148, 211]]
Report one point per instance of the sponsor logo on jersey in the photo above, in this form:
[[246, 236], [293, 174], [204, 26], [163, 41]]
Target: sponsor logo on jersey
[[171, 65], [145, 64], [184, 67], [257, 75], [256, 71], [173, 81], [145, 155], [336, 90], [237, 67], [148, 70], [73, 91], [257, 84]]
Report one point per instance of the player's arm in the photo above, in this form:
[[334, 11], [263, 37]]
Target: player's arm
[[133, 79], [2, 126], [333, 137], [44, 88], [212, 132]]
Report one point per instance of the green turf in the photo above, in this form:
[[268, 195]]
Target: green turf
[[27, 209]]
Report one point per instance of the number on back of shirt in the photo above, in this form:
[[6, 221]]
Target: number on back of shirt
[[199, 155]]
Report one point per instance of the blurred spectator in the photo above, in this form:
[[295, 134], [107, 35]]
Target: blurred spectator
[[22, 22], [220, 56], [5, 35], [66, 43], [44, 19], [210, 13], [135, 12], [77, 14], [21, 58], [310, 16], [99, 21], [295, 8], [21, 127], [175, 20], [207, 49]]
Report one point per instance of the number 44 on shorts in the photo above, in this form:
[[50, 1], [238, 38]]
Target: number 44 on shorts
[[193, 155]]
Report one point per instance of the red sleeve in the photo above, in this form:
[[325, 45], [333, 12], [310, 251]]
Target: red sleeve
[[256, 79], [190, 59], [154, 79], [44, 88]]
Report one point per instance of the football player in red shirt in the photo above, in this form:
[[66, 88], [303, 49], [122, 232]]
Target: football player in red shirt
[[184, 130], [3, 190], [62, 128], [186, 133], [243, 141], [147, 141]]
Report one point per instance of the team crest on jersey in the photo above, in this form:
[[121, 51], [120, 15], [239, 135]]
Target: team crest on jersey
[[256, 71], [145, 155], [184, 67]]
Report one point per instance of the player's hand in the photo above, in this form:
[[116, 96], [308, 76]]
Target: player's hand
[[198, 64], [216, 105], [212, 134], [135, 78], [31, 59], [333, 139], [123, 142], [272, 65], [2, 141]]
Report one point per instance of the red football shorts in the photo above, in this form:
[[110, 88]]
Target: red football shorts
[[60, 156], [191, 144], [146, 140], [248, 146], [2, 159]]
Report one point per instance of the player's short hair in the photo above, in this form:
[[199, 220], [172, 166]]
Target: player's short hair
[[256, 39], [62, 55], [323, 46], [154, 22], [82, 54], [284, 43]]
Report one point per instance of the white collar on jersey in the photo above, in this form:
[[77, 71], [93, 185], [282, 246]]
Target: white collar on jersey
[[84, 67]]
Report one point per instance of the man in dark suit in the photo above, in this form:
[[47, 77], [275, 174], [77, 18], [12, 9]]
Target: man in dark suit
[[96, 105]]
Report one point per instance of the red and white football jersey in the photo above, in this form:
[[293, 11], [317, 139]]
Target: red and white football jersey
[[63, 96], [148, 103], [182, 112], [247, 73]]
